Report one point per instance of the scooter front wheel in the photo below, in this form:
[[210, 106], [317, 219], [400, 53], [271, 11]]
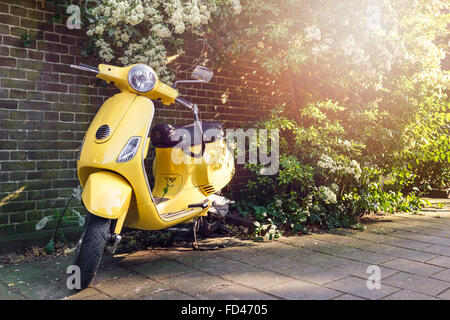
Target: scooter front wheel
[[90, 247]]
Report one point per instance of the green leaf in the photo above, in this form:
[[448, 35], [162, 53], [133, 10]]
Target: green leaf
[[50, 246]]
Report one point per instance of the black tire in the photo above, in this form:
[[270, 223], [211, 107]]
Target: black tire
[[90, 247], [208, 225]]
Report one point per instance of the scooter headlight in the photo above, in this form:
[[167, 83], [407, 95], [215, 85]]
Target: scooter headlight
[[142, 78], [129, 151]]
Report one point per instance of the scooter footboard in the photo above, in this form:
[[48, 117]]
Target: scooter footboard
[[107, 194]]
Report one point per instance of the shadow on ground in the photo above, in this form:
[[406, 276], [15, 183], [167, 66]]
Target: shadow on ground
[[412, 252]]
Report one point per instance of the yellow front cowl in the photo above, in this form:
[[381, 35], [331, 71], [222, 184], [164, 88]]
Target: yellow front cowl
[[107, 195]]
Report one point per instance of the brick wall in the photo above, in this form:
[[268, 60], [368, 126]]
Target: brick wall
[[46, 107]]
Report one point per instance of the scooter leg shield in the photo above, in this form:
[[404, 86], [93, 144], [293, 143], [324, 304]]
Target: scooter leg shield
[[107, 195]]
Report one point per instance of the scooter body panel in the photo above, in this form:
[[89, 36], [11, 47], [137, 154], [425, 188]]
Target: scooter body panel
[[107, 194], [182, 180]]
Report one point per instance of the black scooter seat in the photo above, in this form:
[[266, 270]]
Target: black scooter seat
[[170, 136]]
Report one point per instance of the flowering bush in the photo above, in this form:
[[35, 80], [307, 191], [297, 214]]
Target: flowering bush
[[364, 114], [145, 31]]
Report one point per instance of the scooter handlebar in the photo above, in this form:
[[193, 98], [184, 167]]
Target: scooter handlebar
[[85, 67]]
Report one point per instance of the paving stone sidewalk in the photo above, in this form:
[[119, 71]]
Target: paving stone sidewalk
[[412, 252]]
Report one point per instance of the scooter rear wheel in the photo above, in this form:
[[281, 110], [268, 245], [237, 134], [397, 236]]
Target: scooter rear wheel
[[90, 247], [208, 225]]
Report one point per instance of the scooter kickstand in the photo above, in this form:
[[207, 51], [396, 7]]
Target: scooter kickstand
[[194, 234]]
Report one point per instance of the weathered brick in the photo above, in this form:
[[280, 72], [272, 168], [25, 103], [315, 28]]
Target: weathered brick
[[7, 145], [18, 175], [67, 59], [67, 174], [53, 37], [49, 194], [18, 84], [17, 94], [4, 176], [22, 3], [42, 175], [4, 219], [35, 185], [18, 155], [51, 57], [32, 24], [34, 115], [17, 165], [49, 86], [34, 215], [17, 217], [4, 29], [8, 186], [51, 203], [17, 207], [68, 79], [51, 165], [17, 135], [50, 155], [81, 99], [36, 15], [68, 40], [67, 155], [4, 51], [9, 19], [18, 11], [66, 135], [18, 115], [4, 155], [35, 105], [35, 155], [13, 41], [7, 62], [34, 95], [52, 47], [17, 125], [35, 55], [51, 96], [25, 227], [33, 65], [7, 230], [17, 74]]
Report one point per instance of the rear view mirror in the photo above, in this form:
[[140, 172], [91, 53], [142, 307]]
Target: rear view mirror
[[202, 74]]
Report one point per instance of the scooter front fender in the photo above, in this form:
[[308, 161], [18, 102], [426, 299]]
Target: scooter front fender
[[107, 195]]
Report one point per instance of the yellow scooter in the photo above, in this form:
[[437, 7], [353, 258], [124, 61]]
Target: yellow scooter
[[192, 163]]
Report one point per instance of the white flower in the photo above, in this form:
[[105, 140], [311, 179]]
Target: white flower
[[99, 29], [312, 33], [77, 192], [328, 194], [161, 31], [348, 46], [325, 162], [160, 20]]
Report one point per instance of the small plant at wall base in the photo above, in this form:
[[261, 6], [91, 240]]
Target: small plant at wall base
[[62, 221]]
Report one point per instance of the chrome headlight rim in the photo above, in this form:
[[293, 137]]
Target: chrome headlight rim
[[132, 72]]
